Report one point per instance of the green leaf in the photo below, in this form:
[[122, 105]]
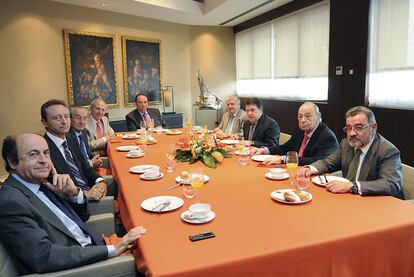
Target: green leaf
[[224, 153], [209, 161]]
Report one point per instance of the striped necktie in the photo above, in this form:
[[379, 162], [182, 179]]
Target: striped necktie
[[55, 200], [74, 169], [353, 166]]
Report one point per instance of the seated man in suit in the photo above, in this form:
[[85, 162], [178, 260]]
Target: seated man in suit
[[98, 127], [371, 163], [78, 121], [259, 129], [65, 152], [143, 116], [313, 140], [232, 120], [45, 231]]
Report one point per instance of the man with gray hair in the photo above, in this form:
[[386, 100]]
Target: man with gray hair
[[232, 120], [370, 163], [313, 140], [98, 126]]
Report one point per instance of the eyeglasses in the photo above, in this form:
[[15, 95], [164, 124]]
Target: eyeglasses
[[79, 118], [358, 128], [35, 155]]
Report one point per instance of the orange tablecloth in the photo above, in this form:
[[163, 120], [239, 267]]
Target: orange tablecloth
[[333, 235]]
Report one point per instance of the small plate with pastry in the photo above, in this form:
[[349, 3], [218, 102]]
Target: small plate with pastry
[[291, 196]]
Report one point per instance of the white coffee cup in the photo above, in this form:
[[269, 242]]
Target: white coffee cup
[[135, 152], [199, 210], [277, 172], [152, 173]]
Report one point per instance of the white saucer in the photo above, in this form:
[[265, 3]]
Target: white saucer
[[142, 168], [229, 141], [126, 148], [283, 177], [179, 179], [151, 203], [134, 157], [186, 218], [172, 133], [143, 177], [130, 136], [261, 158], [317, 179]]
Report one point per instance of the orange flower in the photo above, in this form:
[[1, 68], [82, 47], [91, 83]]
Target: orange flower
[[217, 155]]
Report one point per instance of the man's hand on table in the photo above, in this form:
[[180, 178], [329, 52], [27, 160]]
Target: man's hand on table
[[126, 240], [273, 160], [339, 187], [97, 191], [304, 172]]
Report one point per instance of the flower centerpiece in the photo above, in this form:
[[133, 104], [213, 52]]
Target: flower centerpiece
[[199, 149]]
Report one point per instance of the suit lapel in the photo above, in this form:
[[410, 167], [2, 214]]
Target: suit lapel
[[258, 127], [58, 160], [368, 159], [312, 140], [43, 209]]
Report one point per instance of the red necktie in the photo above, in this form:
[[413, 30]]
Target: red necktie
[[303, 145], [98, 130]]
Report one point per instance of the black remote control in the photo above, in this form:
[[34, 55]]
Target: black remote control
[[202, 236]]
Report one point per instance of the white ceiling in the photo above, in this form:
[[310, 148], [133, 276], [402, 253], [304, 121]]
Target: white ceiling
[[211, 12]]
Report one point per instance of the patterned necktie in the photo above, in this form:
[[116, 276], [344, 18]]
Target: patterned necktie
[[74, 169], [55, 200], [83, 148], [303, 145], [148, 121], [353, 166], [99, 133]]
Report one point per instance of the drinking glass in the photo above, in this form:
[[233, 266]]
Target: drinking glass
[[244, 160], [302, 182], [292, 161], [142, 125], [188, 123], [170, 163], [188, 190], [197, 181]]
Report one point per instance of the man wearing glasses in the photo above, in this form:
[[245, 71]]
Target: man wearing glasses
[[371, 163]]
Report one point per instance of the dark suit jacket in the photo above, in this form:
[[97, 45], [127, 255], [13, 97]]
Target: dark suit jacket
[[87, 172], [133, 119], [39, 241], [84, 138], [266, 133], [381, 170], [322, 143]]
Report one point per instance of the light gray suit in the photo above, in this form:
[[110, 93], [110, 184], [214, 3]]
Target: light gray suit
[[96, 143], [236, 129], [381, 169]]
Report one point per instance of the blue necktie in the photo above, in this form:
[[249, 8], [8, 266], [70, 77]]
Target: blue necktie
[[74, 169], [83, 148], [55, 200]]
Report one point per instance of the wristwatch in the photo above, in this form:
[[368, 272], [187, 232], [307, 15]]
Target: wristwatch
[[354, 188]]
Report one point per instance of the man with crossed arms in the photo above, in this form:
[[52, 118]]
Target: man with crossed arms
[[371, 163]]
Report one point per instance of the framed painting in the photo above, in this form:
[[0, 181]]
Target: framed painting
[[142, 69], [90, 67]]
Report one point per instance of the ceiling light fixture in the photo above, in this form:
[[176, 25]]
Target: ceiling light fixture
[[105, 5]]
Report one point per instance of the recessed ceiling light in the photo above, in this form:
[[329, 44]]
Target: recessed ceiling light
[[105, 5]]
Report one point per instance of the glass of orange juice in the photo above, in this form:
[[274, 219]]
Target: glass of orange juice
[[197, 180], [292, 161]]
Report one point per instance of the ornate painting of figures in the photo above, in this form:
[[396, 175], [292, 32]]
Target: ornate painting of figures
[[142, 68], [90, 67]]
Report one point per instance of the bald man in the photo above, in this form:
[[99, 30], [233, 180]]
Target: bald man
[[313, 140], [98, 126], [42, 213]]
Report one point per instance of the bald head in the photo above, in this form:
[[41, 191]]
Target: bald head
[[28, 156], [308, 117]]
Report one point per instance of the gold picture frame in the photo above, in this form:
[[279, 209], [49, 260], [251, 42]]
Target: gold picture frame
[[90, 67], [142, 69]]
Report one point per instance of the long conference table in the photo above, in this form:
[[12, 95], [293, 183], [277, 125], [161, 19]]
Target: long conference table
[[332, 235]]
